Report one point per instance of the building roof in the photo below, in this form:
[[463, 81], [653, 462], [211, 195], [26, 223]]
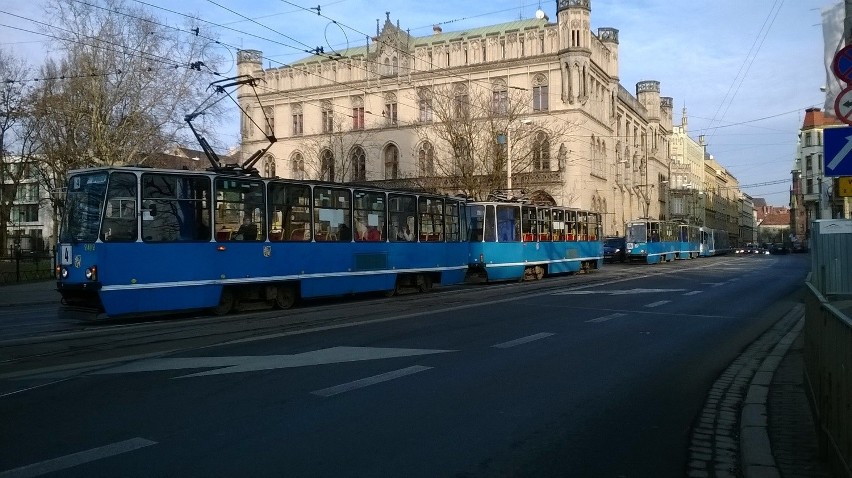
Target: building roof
[[777, 218], [816, 118], [440, 37]]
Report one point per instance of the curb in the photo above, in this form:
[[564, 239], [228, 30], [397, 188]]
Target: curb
[[756, 459]]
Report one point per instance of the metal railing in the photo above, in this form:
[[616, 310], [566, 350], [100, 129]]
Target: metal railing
[[828, 374]]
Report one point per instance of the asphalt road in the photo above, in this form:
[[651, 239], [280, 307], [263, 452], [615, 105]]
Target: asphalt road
[[559, 378]]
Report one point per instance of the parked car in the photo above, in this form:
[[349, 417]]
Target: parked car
[[799, 247], [615, 249], [778, 248]]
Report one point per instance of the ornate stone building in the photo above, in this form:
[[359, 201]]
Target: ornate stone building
[[543, 99]]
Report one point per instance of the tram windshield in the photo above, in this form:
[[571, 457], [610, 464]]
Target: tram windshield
[[637, 232], [84, 202]]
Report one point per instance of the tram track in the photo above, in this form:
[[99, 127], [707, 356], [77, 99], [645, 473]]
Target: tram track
[[112, 341]]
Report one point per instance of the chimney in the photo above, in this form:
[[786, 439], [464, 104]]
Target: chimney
[[436, 29]]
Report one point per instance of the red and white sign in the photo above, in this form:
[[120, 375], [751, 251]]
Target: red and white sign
[[843, 105]]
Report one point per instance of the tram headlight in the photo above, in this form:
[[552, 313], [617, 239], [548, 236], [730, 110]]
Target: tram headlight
[[61, 272], [92, 273]]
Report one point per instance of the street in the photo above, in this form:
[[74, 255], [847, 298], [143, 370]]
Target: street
[[600, 374]]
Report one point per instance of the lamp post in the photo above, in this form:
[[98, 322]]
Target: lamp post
[[509, 151]]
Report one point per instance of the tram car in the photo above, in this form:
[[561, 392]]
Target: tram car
[[689, 237], [139, 240], [517, 241], [652, 241], [714, 242]]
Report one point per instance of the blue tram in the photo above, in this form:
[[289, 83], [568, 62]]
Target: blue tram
[[140, 240], [652, 241], [689, 237], [714, 242], [516, 241]]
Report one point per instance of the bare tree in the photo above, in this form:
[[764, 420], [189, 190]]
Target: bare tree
[[120, 89], [16, 138], [471, 129]]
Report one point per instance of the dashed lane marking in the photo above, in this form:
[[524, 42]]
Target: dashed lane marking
[[68, 461], [657, 303], [366, 382], [522, 340], [605, 318]]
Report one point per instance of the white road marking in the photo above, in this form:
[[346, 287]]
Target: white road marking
[[522, 340], [68, 461], [657, 304], [606, 317], [694, 292], [616, 292], [366, 382], [240, 364]]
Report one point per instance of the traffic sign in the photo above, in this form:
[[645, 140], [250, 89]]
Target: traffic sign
[[844, 186], [838, 151], [843, 105], [841, 65]]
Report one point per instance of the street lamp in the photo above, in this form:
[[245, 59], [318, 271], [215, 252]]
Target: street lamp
[[509, 151]]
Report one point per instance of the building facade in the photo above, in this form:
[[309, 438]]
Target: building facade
[[568, 131], [811, 196]]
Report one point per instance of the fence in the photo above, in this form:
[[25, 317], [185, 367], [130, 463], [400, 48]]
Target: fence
[[828, 340], [25, 266]]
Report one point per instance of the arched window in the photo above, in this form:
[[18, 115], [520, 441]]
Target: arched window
[[426, 159], [269, 166], [298, 166], [541, 152], [327, 166], [391, 162], [359, 164]]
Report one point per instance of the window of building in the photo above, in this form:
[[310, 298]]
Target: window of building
[[541, 152], [269, 166], [809, 186], [358, 117], [327, 120], [298, 166], [425, 110], [298, 127], [426, 160], [391, 162], [808, 163], [327, 166], [499, 98], [359, 164], [24, 213], [540, 98], [269, 117], [808, 139], [391, 111]]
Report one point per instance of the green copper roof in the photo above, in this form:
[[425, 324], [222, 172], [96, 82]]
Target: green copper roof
[[500, 28]]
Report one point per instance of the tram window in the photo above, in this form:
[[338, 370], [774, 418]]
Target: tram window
[[290, 213], [528, 223], [571, 228], [454, 221], [369, 209], [119, 223], [594, 225], [655, 232], [240, 210], [558, 225], [637, 232], [508, 224], [431, 219], [332, 214], [582, 226], [544, 224], [476, 219], [175, 208], [402, 212]]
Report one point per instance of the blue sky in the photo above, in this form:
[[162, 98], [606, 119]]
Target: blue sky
[[746, 70]]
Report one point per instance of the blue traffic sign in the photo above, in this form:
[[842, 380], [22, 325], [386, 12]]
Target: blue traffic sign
[[838, 151]]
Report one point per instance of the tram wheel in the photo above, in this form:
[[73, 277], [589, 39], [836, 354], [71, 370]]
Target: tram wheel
[[539, 272], [226, 302], [424, 283], [285, 297], [395, 291]]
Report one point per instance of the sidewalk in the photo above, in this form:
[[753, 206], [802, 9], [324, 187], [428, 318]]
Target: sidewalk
[[38, 292]]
